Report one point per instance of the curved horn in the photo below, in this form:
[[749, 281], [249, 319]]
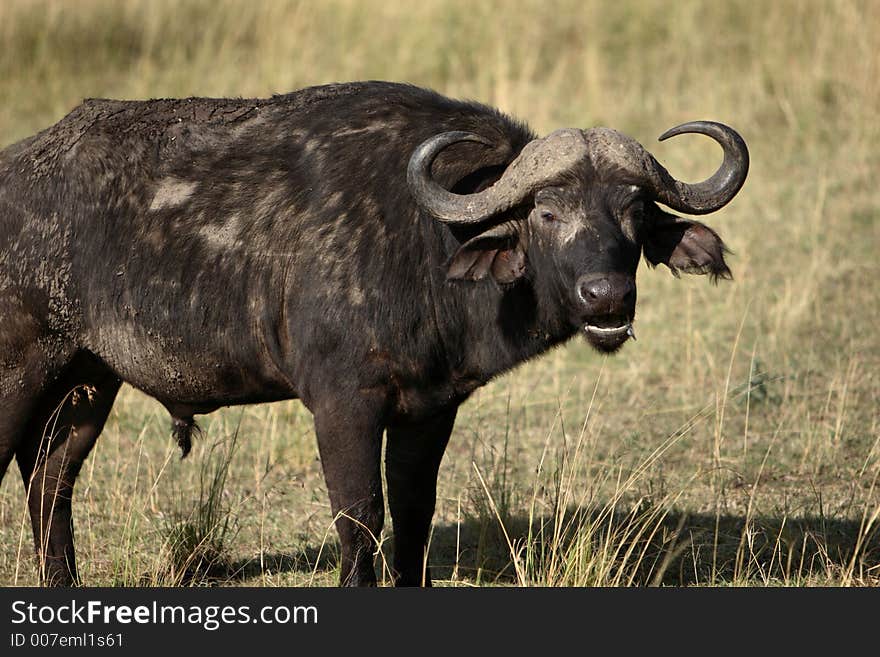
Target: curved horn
[[613, 151], [541, 161], [440, 202], [719, 189]]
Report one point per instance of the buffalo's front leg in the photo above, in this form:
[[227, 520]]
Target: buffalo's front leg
[[412, 459], [350, 443]]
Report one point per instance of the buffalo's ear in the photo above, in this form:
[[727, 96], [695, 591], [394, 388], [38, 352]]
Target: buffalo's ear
[[499, 252], [685, 246]]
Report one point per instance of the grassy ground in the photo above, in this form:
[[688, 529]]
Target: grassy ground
[[735, 443]]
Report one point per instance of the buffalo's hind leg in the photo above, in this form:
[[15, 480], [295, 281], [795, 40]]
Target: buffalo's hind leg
[[14, 412], [63, 428], [412, 460]]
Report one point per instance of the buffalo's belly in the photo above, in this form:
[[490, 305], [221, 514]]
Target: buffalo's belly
[[222, 369]]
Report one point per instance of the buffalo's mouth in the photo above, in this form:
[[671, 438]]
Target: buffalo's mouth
[[608, 333]]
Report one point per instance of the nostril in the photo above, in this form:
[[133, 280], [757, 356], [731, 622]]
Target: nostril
[[594, 291], [608, 294], [629, 293]]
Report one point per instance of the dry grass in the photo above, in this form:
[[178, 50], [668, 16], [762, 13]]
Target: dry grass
[[735, 443]]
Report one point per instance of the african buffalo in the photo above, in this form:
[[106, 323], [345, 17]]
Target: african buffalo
[[376, 250]]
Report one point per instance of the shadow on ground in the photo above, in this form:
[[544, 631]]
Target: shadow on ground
[[685, 549], [682, 549], [307, 561]]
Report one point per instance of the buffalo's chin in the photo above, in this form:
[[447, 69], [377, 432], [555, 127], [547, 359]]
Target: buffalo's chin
[[605, 345], [608, 339]]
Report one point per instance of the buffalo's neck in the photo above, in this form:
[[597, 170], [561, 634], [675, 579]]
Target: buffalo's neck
[[485, 328]]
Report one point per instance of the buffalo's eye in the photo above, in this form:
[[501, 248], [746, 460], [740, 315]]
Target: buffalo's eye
[[546, 215]]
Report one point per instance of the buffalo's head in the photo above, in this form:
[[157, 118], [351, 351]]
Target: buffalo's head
[[574, 212]]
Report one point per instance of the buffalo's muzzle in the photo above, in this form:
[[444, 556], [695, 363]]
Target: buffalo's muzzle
[[607, 295], [608, 303]]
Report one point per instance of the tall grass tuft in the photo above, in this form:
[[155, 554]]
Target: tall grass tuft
[[196, 543]]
